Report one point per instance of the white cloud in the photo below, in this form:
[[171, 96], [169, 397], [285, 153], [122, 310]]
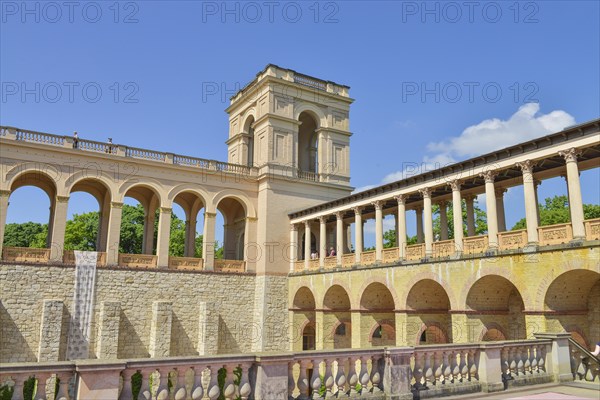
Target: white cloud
[[494, 134], [489, 135], [363, 188]]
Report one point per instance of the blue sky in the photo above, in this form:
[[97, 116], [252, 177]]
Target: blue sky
[[421, 74]]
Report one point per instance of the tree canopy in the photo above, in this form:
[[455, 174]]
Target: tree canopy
[[555, 210]]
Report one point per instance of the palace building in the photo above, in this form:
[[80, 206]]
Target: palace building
[[285, 198]]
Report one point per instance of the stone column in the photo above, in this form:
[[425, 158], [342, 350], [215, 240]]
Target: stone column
[[427, 221], [378, 230], [114, 233], [307, 248], [4, 196], [401, 230], [419, 213], [443, 221], [575, 200], [530, 202], [500, 209], [339, 236], [208, 241], [322, 240], [293, 246], [457, 217], [469, 199], [358, 234], [148, 240], [164, 235], [190, 237], [104, 219], [59, 224], [490, 204], [536, 184]]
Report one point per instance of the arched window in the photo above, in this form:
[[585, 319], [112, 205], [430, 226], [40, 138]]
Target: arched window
[[308, 143], [249, 130]]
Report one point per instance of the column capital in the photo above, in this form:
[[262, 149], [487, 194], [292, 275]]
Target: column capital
[[4, 193], [401, 198], [500, 192], [418, 208], [116, 204], [442, 203], [339, 215], [209, 214], [426, 192], [526, 166], [357, 210], [323, 219], [537, 183], [455, 185], [489, 176], [62, 199], [570, 155], [307, 223], [469, 197], [377, 204], [294, 227], [165, 210]]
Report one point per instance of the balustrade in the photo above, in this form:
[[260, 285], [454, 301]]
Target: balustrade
[[592, 229], [555, 234], [512, 240], [390, 255], [584, 366], [314, 264], [39, 137], [443, 248], [475, 245], [368, 257], [144, 154], [230, 265], [25, 254], [137, 260], [308, 176], [415, 252], [330, 262], [298, 266], [69, 258], [186, 263], [436, 365], [348, 259], [97, 147]]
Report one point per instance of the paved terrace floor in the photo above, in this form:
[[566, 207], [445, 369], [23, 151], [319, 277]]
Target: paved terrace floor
[[551, 391]]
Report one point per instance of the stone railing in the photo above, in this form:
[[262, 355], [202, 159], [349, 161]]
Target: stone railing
[[314, 264], [310, 82], [137, 260], [120, 150], [186, 263], [415, 252], [308, 176], [555, 234], [25, 254], [98, 147], [584, 365], [592, 229], [373, 373], [230, 265], [298, 266], [443, 248], [390, 255], [348, 260], [475, 244], [368, 257], [512, 240], [69, 258], [330, 262]]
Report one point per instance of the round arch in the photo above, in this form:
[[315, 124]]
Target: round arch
[[336, 299], [429, 295], [35, 178], [98, 176], [368, 282], [492, 332], [317, 114], [431, 277], [304, 299], [150, 184], [235, 194], [433, 333], [187, 188]]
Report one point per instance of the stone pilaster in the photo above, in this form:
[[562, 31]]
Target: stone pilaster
[[108, 332], [50, 331], [4, 196], [164, 233], [160, 329], [59, 225], [208, 243], [208, 329]]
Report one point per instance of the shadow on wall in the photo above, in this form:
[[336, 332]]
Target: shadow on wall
[[130, 344], [15, 347], [228, 342], [181, 343]]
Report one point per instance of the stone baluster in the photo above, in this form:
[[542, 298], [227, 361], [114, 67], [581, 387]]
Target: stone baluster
[[196, 390], [42, 379], [512, 363], [376, 374], [340, 378], [418, 370], [19, 382], [328, 377], [163, 390], [352, 376], [541, 358], [315, 382], [504, 362], [520, 363], [303, 380], [438, 365], [534, 356], [178, 380], [244, 388], [428, 370], [464, 367], [145, 388], [364, 375], [126, 391], [63, 386], [291, 380], [447, 367], [473, 365], [212, 391], [527, 354], [455, 366], [229, 387]]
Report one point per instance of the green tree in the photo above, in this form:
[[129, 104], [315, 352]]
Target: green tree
[[555, 210], [81, 232], [22, 235]]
